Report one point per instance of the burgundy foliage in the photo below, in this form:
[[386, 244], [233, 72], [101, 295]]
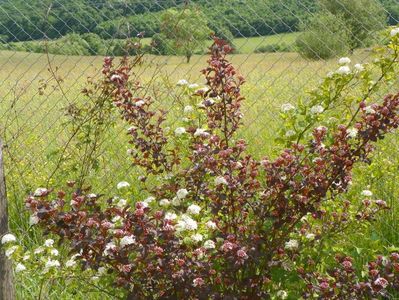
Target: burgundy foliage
[[256, 205]]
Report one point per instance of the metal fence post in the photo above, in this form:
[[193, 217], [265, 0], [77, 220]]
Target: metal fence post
[[6, 276]]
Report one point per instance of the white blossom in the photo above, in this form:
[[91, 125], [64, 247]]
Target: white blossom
[[394, 31], [282, 294], [116, 219], [181, 194], [115, 77], [209, 244], [128, 240], [317, 109], [344, 61], [26, 257], [187, 223], [164, 202], [211, 225], [8, 238], [286, 107], [330, 74], [369, 110], [170, 216], [291, 245], [352, 132], [201, 104], [310, 236], [11, 250], [359, 67], [188, 109], [344, 70], [367, 193], [180, 130], [122, 203], [20, 268], [40, 192], [149, 199], [193, 209], [182, 82], [209, 102], [176, 201], [38, 250], [201, 132], [143, 204], [220, 180], [290, 133], [49, 243], [52, 263], [197, 237], [122, 184], [139, 103], [54, 252], [33, 219], [193, 86], [101, 271], [70, 263], [109, 248]]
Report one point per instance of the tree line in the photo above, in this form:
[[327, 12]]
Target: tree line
[[109, 27]]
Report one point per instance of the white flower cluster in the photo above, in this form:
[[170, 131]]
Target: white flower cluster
[[164, 202], [201, 133], [40, 192], [317, 109], [292, 245], [352, 132], [344, 61], [180, 195], [220, 180], [180, 131], [367, 193], [395, 32], [188, 109], [194, 209], [287, 107], [8, 238], [186, 223], [122, 184], [127, 241], [182, 82], [209, 244]]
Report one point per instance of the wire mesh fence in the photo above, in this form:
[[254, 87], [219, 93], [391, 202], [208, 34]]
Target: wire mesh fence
[[51, 49]]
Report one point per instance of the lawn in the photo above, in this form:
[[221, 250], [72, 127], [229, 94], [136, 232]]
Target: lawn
[[32, 108]]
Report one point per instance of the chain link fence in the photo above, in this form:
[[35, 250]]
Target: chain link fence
[[51, 49]]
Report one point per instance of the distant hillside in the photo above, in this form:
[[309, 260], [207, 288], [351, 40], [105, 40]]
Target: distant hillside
[[22, 20]]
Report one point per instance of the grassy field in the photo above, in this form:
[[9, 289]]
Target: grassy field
[[32, 125]]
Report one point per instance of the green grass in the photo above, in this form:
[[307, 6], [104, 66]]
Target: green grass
[[32, 126]]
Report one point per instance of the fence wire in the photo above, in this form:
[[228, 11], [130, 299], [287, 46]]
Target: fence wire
[[43, 74]]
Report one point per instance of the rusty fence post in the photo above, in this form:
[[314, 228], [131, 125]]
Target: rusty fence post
[[6, 275]]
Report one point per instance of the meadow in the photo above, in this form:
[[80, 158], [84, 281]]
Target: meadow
[[32, 114]]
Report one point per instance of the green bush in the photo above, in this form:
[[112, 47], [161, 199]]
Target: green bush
[[362, 18], [325, 36], [161, 45], [95, 43], [283, 47]]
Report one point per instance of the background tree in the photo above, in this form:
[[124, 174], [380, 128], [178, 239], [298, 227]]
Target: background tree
[[325, 36], [361, 18], [186, 29]]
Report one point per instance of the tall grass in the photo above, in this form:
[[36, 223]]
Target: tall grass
[[33, 129]]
